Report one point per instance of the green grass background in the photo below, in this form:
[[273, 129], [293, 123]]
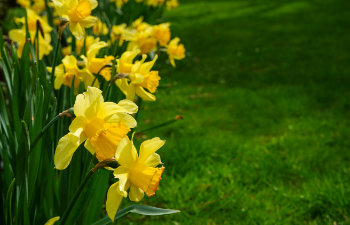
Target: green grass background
[[264, 92]]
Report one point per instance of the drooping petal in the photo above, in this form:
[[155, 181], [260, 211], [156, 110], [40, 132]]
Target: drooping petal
[[136, 194], [66, 148], [145, 95], [149, 147], [126, 153], [77, 30], [114, 198]]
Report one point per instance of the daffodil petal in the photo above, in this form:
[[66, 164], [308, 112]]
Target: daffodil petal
[[114, 198], [124, 118], [66, 147], [77, 30], [126, 153], [136, 194], [153, 160], [140, 91], [89, 147], [149, 147], [88, 21], [77, 123]]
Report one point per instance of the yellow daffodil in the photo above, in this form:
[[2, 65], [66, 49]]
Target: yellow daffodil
[[19, 35], [100, 28], [119, 3], [36, 5], [141, 80], [155, 3], [172, 4], [144, 42], [122, 33], [102, 125], [89, 40], [175, 51], [161, 33], [68, 70], [94, 65], [78, 13], [137, 172]]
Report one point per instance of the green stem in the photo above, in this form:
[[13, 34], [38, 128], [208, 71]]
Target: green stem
[[68, 113], [44, 130], [75, 197], [55, 58], [160, 125], [109, 163]]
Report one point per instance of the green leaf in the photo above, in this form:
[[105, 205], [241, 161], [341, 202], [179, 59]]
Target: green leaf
[[8, 213], [144, 210], [139, 209]]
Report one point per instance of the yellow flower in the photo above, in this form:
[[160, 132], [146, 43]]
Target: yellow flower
[[66, 71], [144, 42], [89, 40], [78, 12], [137, 172], [19, 35], [155, 3], [119, 3], [100, 28], [161, 33], [37, 6], [102, 125], [94, 65], [172, 4], [175, 51], [141, 80]]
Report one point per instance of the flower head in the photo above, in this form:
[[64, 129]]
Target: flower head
[[142, 81], [19, 35], [136, 171], [78, 13], [68, 70], [175, 51], [96, 65], [161, 33], [102, 125]]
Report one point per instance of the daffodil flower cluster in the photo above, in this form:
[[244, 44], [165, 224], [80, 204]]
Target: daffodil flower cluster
[[100, 57], [85, 70], [145, 38], [35, 24], [103, 126], [170, 4]]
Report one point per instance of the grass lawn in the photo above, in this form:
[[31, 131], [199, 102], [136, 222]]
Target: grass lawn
[[264, 92]]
